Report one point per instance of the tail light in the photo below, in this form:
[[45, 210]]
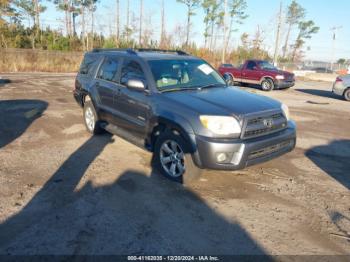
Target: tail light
[[76, 84], [338, 79]]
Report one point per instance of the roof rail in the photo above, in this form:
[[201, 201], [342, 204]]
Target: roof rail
[[134, 50], [129, 50], [179, 52]]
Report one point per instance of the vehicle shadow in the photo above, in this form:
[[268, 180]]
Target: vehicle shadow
[[16, 116], [339, 220], [137, 214], [333, 159], [321, 93], [4, 81]]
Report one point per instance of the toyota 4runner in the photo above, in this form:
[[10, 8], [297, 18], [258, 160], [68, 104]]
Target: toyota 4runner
[[180, 108]]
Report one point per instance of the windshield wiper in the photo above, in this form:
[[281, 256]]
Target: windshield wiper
[[212, 85], [178, 89], [191, 88]]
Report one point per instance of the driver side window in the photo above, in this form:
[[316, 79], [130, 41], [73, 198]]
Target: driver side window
[[132, 70]]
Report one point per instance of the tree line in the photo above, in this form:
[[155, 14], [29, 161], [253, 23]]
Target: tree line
[[21, 27]]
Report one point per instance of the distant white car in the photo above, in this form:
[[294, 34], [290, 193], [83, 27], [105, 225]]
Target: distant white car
[[341, 86]]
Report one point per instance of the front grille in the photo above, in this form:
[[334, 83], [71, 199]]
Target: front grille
[[270, 150], [263, 125]]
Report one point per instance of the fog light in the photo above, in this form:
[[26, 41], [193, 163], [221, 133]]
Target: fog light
[[221, 157]]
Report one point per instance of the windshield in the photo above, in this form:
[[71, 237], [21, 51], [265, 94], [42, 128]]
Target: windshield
[[183, 74], [266, 65]]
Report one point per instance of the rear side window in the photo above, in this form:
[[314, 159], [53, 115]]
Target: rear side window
[[88, 65], [108, 70], [132, 70]]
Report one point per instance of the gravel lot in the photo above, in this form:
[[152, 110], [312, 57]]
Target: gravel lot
[[64, 192]]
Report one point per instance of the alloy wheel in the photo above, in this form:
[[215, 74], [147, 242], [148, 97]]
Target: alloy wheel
[[172, 158], [90, 119]]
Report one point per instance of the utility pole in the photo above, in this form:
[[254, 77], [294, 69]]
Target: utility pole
[[141, 15], [334, 30], [225, 33], [275, 55], [117, 21], [127, 20], [162, 36]]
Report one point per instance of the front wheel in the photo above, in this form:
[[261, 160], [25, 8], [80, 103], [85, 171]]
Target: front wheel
[[173, 158], [267, 85], [347, 94]]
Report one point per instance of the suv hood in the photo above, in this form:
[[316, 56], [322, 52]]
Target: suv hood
[[223, 101]]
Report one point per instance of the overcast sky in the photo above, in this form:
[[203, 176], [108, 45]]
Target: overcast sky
[[326, 14]]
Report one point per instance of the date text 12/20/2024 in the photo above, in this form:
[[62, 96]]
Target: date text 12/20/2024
[[173, 258]]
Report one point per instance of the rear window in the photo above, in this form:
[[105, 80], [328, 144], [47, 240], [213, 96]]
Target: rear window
[[227, 65], [87, 67]]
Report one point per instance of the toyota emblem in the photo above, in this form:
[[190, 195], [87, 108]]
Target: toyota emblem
[[268, 122]]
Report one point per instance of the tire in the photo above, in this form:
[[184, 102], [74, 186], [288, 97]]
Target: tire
[[91, 121], [172, 158], [347, 94], [267, 84]]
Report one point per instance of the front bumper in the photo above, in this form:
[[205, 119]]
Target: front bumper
[[78, 96], [242, 153], [280, 84]]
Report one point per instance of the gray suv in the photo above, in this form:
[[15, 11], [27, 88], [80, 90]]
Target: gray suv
[[180, 108]]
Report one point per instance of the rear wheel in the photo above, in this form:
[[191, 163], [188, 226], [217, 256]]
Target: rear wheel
[[267, 85], [91, 121], [347, 94], [173, 158]]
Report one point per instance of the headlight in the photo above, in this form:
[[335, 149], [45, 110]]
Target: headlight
[[285, 110], [221, 125], [280, 77]]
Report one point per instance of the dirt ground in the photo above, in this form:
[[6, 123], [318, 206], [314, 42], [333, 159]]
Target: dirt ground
[[65, 192]]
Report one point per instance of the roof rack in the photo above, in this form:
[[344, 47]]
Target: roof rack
[[134, 50], [129, 50], [179, 52]]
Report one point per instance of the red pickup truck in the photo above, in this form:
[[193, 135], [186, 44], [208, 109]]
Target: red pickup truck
[[258, 72]]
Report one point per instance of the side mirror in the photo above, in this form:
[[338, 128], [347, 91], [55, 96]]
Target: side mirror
[[135, 84], [255, 68], [228, 79]]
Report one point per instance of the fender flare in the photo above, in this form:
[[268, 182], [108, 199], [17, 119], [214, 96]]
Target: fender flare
[[266, 77], [175, 122]]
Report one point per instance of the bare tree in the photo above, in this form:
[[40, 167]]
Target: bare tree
[[162, 31], [223, 58], [127, 26], [235, 10], [306, 30], [33, 9], [237, 14], [295, 13], [65, 5], [141, 18], [192, 5], [212, 13], [82, 6]]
